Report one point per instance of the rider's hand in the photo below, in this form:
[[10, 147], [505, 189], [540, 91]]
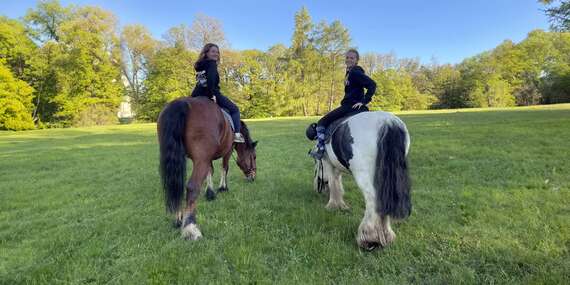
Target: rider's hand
[[357, 106], [214, 99]]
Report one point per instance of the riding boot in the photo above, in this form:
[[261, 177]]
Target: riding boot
[[238, 138], [319, 150]]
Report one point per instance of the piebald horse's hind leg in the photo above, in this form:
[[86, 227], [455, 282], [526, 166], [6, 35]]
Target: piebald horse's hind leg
[[210, 194], [374, 231], [224, 176], [388, 232], [336, 191], [189, 228]]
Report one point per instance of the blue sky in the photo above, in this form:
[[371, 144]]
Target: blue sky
[[447, 30]]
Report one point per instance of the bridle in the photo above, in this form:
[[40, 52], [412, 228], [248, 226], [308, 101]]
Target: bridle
[[248, 172]]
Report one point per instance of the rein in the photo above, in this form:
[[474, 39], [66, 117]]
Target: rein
[[320, 176], [249, 171]]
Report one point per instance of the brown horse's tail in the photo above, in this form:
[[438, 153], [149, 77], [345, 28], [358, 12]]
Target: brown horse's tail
[[171, 128]]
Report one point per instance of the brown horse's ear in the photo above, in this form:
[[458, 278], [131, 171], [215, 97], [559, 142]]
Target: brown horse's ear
[[254, 144]]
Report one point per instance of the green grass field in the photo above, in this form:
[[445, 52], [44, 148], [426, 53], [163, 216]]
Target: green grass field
[[491, 195]]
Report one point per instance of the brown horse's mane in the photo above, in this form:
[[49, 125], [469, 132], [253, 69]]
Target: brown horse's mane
[[246, 135]]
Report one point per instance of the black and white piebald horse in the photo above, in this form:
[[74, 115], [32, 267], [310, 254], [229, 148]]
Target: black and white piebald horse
[[372, 146]]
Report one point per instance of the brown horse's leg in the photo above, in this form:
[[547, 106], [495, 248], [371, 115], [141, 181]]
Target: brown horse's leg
[[224, 176], [189, 228]]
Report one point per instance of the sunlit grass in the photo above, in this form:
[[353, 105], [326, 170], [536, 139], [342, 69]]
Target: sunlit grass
[[491, 205]]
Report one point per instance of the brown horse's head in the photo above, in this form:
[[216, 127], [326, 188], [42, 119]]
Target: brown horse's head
[[246, 155]]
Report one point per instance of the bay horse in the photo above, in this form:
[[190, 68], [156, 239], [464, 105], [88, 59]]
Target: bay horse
[[196, 128], [373, 147]]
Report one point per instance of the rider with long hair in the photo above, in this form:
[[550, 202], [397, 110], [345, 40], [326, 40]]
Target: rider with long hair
[[208, 84], [354, 98]]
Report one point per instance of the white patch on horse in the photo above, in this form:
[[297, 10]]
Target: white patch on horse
[[191, 232], [209, 181], [365, 129], [223, 179]]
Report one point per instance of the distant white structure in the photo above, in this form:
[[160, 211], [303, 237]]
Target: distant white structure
[[125, 111]]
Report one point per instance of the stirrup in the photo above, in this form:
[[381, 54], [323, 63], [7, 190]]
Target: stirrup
[[317, 153], [238, 138]]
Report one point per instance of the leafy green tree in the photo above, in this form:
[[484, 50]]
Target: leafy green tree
[[88, 71], [447, 88], [15, 102], [170, 75], [555, 79], [138, 47], [332, 42], [16, 48], [44, 21], [559, 15]]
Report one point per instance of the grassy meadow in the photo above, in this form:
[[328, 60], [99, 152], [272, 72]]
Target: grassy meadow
[[491, 204]]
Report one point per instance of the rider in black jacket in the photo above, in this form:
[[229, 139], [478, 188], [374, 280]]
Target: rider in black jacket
[[354, 98], [208, 84]]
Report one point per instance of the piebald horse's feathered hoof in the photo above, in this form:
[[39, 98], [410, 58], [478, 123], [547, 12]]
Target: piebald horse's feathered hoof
[[191, 232], [370, 246], [337, 206]]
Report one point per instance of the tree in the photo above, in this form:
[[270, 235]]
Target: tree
[[138, 47], [15, 102], [45, 21], [178, 37], [88, 70], [303, 26], [555, 79], [333, 42], [299, 63], [205, 30], [559, 15], [170, 75]]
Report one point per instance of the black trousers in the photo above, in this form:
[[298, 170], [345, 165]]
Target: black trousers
[[338, 113]]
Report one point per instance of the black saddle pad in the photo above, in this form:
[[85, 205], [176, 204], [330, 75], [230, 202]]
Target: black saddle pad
[[334, 125]]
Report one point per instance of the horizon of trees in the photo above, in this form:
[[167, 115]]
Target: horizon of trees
[[71, 66]]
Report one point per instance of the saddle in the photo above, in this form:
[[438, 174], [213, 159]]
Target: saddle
[[336, 123], [311, 131], [228, 118]]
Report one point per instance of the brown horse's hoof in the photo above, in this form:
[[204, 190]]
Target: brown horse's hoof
[[223, 189], [210, 194]]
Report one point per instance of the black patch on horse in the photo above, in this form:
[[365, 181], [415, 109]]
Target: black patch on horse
[[190, 219], [336, 123], [341, 142]]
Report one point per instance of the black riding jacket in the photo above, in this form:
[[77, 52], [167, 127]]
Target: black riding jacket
[[355, 82], [208, 79]]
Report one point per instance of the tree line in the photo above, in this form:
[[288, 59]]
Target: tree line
[[71, 66]]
